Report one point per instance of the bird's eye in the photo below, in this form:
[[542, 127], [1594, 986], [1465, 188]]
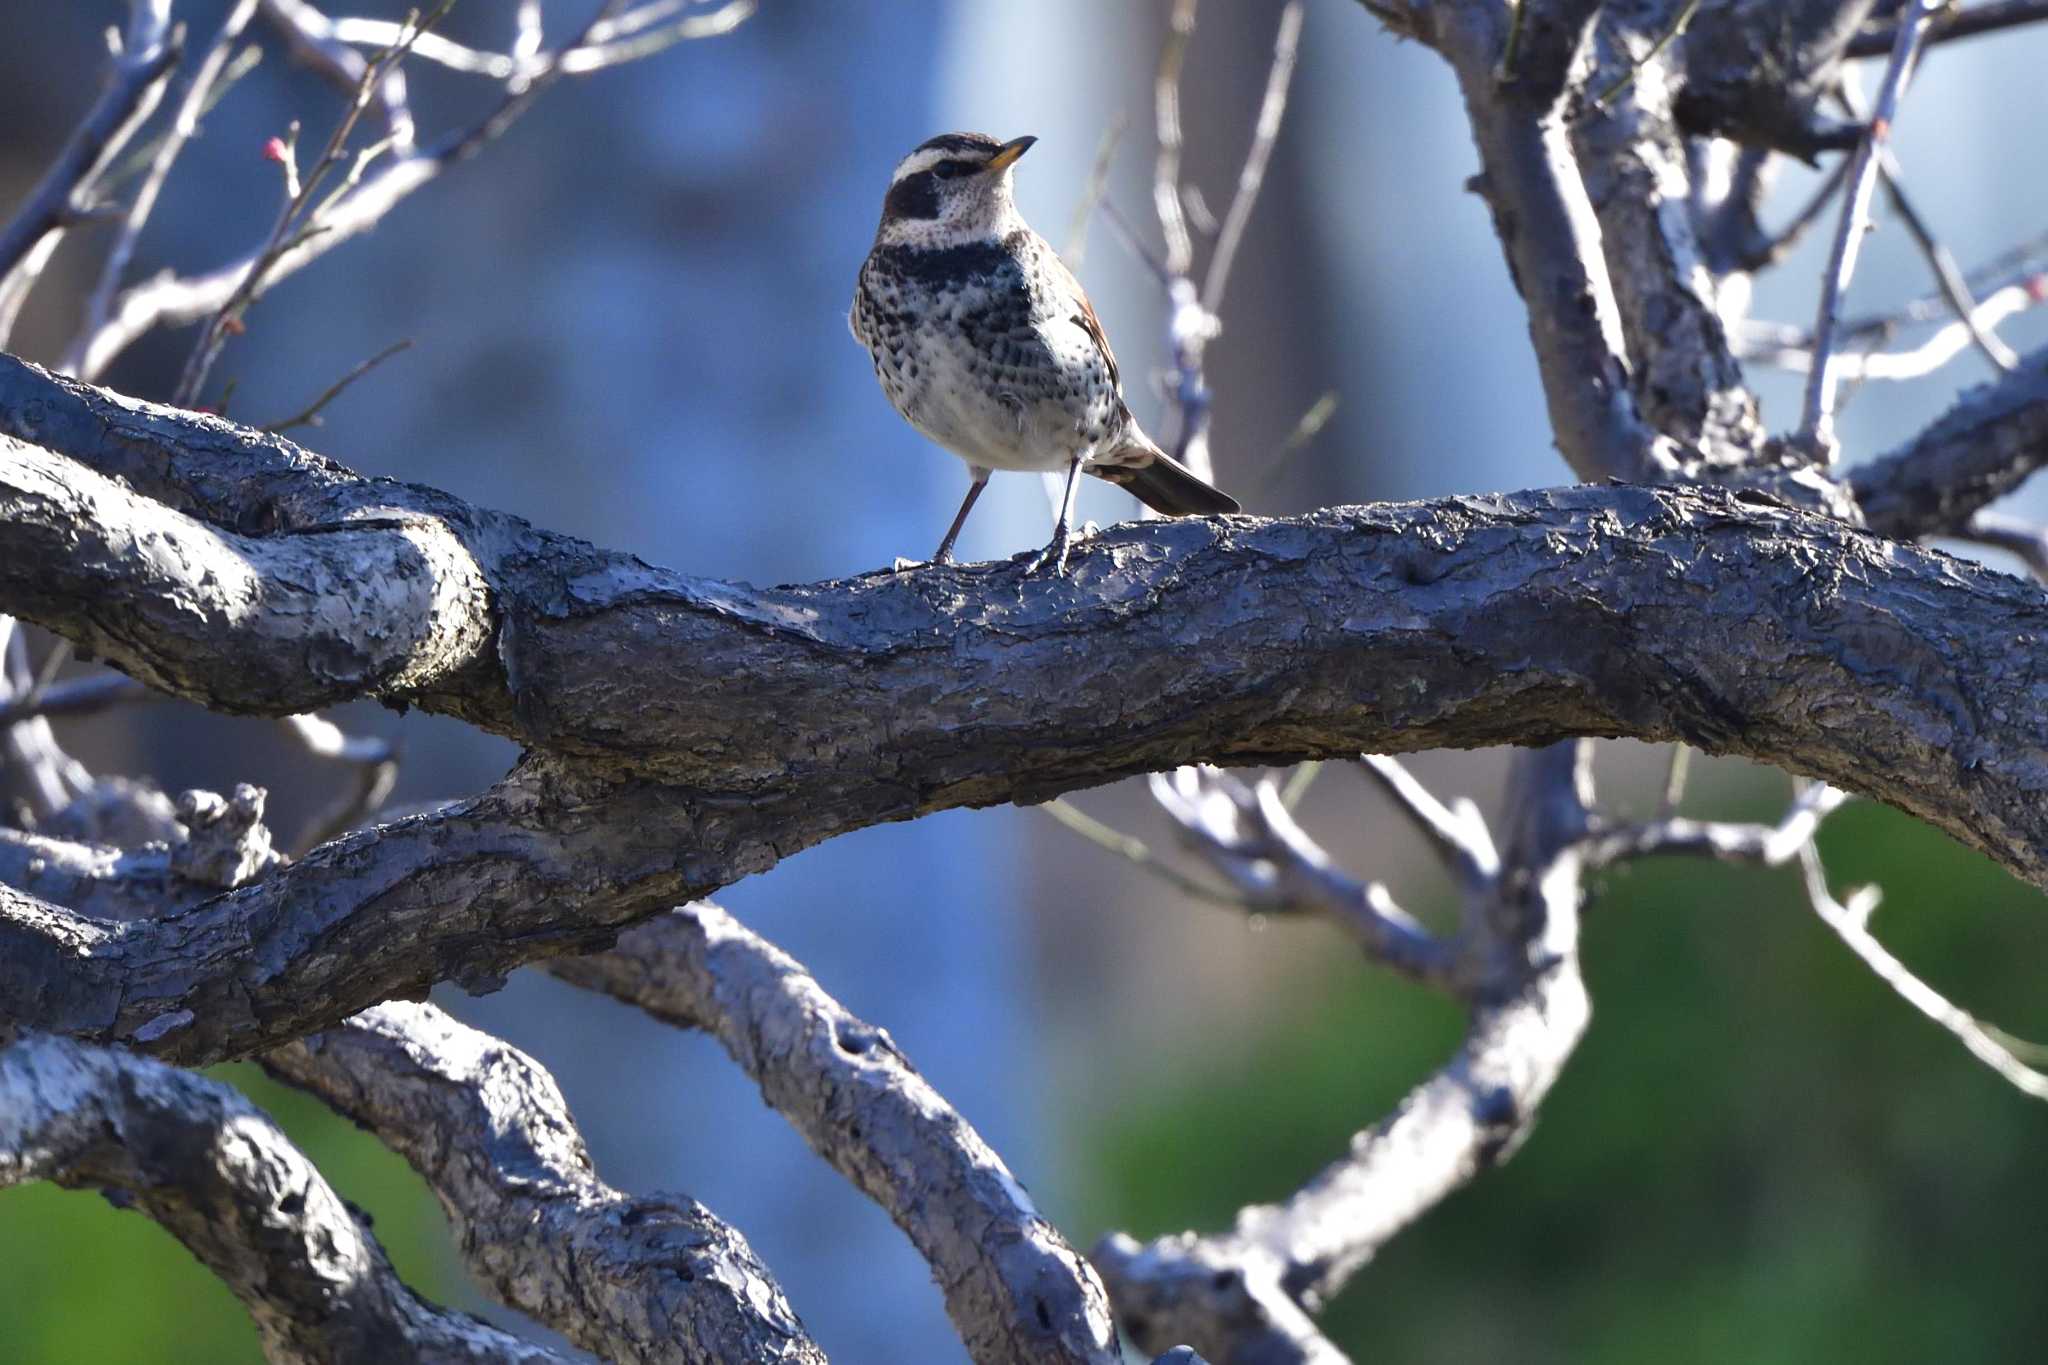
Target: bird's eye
[[952, 170]]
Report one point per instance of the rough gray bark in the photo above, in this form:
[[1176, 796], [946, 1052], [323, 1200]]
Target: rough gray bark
[[653, 1278], [1014, 1288], [199, 1159], [703, 731]]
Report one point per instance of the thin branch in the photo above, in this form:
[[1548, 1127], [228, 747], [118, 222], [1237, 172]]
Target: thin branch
[[311, 37], [1948, 275], [149, 50], [1769, 845], [611, 41], [1247, 833], [1015, 1290], [1817, 415], [1954, 22], [298, 215], [1851, 923], [184, 124], [376, 773], [1675, 774], [1776, 248], [1092, 194], [2015, 535], [1135, 851], [654, 1278], [217, 1174], [1790, 349], [1672, 34], [1180, 248], [78, 697], [173, 300], [1272, 110], [1457, 832], [54, 777], [309, 416]]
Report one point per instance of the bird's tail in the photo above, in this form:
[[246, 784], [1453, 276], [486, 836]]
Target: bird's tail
[[1166, 485]]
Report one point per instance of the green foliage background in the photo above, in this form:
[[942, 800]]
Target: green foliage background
[[1758, 1154]]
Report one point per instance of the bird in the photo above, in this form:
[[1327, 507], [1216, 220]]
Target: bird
[[986, 343]]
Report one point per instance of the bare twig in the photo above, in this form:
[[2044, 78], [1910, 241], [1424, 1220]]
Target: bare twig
[[1954, 22], [1791, 349], [1272, 110], [311, 36], [612, 40], [1817, 416], [1091, 195], [2016, 536], [1138, 853], [142, 67], [1948, 276], [1774, 249], [297, 216], [1166, 203], [54, 777], [1457, 832], [1656, 50], [1769, 845], [1246, 833], [198, 96], [376, 764], [1851, 923], [309, 416], [79, 697], [1674, 781]]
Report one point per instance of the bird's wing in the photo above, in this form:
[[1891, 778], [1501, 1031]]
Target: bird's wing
[[1084, 317]]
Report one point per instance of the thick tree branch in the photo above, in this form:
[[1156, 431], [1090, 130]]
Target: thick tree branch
[[1014, 1288], [654, 1278], [1381, 629], [1634, 161], [324, 616], [1548, 227], [198, 1158], [702, 731]]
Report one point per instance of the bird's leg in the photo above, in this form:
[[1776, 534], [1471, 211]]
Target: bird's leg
[[1054, 556], [945, 552]]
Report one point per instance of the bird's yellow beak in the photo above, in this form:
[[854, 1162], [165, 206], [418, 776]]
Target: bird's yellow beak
[[1007, 154]]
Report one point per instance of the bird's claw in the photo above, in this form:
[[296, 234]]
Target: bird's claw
[[1052, 558]]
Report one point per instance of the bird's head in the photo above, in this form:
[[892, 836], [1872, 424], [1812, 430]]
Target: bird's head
[[954, 188]]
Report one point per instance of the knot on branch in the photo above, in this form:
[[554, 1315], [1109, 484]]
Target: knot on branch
[[226, 843]]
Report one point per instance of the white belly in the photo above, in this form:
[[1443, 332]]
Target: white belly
[[1004, 418]]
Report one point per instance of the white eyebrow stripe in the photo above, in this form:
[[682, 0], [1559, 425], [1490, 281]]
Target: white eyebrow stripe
[[920, 161]]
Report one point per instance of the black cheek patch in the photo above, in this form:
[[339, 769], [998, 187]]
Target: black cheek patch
[[914, 196]]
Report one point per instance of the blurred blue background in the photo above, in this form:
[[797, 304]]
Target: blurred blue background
[[630, 317]]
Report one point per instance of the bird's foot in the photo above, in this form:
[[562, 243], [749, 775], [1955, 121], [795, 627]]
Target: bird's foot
[[1053, 558]]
